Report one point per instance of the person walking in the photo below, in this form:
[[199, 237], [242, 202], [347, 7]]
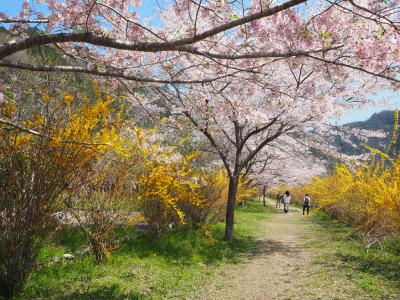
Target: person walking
[[278, 200], [306, 203], [286, 201]]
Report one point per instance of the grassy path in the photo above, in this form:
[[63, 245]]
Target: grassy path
[[274, 256], [297, 257]]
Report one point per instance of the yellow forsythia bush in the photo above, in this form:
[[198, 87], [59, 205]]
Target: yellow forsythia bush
[[164, 183], [246, 191], [214, 189], [366, 197], [45, 148]]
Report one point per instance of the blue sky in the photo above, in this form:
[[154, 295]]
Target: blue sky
[[11, 7]]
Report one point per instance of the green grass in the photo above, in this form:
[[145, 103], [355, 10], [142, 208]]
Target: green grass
[[174, 266], [376, 271]]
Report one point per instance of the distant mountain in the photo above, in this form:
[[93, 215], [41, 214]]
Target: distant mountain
[[383, 120]]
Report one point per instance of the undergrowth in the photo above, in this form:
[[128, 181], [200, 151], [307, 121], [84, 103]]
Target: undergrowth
[[175, 265]]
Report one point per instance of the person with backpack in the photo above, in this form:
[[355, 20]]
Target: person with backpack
[[278, 200], [306, 203], [286, 201]]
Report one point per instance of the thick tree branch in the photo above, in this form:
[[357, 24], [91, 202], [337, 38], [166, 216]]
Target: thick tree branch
[[176, 45]]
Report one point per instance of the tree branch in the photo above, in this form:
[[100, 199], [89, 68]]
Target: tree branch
[[258, 130], [176, 45], [262, 54], [27, 21], [253, 153], [37, 133], [333, 62], [100, 72], [212, 141]]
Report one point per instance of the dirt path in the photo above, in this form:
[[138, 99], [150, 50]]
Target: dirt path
[[283, 266]]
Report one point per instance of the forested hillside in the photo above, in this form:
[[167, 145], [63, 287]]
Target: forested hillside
[[382, 121]]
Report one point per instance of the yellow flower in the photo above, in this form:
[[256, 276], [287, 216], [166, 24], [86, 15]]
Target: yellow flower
[[69, 99], [10, 110]]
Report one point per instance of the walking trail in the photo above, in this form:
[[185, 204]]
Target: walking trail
[[284, 266]]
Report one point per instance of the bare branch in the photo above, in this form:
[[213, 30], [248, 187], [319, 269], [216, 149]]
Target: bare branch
[[37, 133], [261, 129], [282, 129], [101, 72], [337, 63]]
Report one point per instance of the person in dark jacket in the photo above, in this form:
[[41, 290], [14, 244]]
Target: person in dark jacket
[[306, 203]]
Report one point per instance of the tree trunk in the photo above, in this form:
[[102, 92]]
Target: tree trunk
[[264, 192], [230, 209]]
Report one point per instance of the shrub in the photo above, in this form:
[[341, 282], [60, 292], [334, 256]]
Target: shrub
[[214, 192], [26, 201], [98, 212], [164, 188], [365, 196], [102, 204], [53, 148], [246, 191]]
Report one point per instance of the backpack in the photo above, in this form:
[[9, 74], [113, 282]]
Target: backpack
[[307, 200]]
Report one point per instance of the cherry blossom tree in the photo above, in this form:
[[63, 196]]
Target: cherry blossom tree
[[246, 124], [110, 38], [245, 73], [281, 167], [278, 107]]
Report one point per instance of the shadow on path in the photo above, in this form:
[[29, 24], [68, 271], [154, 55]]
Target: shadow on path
[[270, 246]]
